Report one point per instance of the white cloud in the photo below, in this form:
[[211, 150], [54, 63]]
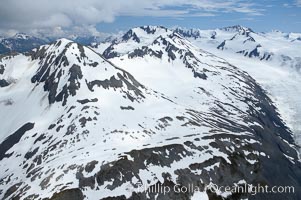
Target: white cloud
[[25, 15]]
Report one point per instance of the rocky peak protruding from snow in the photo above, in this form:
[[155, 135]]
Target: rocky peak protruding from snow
[[141, 33], [134, 38], [153, 29], [189, 33], [172, 48], [21, 36], [67, 67], [238, 28]]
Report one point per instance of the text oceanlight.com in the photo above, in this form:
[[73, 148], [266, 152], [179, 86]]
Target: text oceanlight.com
[[242, 188]]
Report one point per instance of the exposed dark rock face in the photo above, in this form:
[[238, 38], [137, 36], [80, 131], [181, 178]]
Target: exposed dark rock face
[[106, 84], [84, 101], [256, 54], [11, 190], [222, 45], [60, 62], [152, 29], [30, 154], [123, 80], [188, 33], [213, 36], [70, 194], [131, 35], [143, 51], [75, 74], [250, 39], [90, 166], [3, 83], [127, 108], [110, 53], [13, 139], [115, 198], [1, 69]]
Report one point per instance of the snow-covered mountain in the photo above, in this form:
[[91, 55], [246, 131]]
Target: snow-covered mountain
[[161, 111], [20, 43], [273, 59], [277, 76], [134, 38], [275, 46], [23, 42]]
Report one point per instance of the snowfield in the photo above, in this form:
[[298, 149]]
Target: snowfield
[[152, 109], [280, 75]]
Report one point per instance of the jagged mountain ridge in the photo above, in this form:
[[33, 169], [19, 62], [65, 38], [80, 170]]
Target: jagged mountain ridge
[[134, 38], [103, 151], [274, 46], [234, 39], [22, 42]]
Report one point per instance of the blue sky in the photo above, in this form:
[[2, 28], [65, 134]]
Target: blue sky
[[62, 17], [274, 15]]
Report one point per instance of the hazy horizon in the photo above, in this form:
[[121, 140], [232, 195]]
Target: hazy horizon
[[58, 18]]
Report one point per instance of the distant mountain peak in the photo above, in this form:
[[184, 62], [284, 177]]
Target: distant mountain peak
[[22, 36], [135, 37], [141, 31], [152, 29], [190, 33], [20, 42], [237, 28]]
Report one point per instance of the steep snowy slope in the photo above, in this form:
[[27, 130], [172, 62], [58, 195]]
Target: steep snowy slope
[[282, 84], [57, 94], [168, 63], [76, 126], [279, 74]]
